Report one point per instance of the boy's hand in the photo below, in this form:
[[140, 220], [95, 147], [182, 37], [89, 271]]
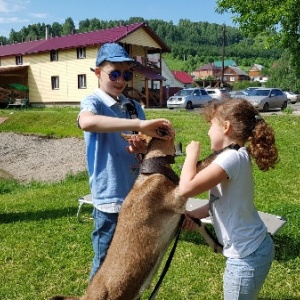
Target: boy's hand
[[155, 127]]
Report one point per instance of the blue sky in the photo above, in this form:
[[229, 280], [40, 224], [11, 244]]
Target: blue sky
[[14, 14]]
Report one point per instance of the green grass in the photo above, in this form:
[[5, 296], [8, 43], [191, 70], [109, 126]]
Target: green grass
[[45, 250]]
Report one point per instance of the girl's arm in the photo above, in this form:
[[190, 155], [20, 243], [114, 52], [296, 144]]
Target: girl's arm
[[192, 183]]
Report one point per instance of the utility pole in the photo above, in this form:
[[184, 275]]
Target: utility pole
[[223, 55]]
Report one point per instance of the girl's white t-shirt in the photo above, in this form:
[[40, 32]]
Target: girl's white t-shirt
[[236, 220]]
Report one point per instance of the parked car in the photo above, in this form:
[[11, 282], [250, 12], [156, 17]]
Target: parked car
[[268, 98], [237, 94], [218, 94], [189, 98], [248, 91], [292, 97]]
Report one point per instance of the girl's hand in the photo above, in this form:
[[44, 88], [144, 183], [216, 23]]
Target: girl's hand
[[193, 148], [189, 225], [198, 213]]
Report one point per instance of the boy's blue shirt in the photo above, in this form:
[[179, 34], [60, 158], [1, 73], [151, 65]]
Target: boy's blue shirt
[[112, 170]]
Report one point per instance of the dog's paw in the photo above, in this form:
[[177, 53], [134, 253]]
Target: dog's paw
[[218, 248]]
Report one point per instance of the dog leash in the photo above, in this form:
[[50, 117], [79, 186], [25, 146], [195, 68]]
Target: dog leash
[[168, 262]]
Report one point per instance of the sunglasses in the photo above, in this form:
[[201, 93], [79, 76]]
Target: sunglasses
[[116, 74]]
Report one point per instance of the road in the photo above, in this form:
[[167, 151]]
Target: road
[[295, 107]]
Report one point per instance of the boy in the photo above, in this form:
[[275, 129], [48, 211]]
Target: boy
[[112, 167]]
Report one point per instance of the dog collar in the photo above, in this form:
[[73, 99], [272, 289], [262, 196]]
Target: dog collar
[[160, 165]]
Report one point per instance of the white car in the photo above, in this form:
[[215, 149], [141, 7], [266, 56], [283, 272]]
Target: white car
[[292, 97], [218, 94], [237, 94], [189, 98]]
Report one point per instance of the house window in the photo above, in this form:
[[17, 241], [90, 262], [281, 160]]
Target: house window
[[81, 53], [82, 81], [19, 60], [53, 55], [232, 78], [55, 82]]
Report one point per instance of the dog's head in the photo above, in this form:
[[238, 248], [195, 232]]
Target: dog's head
[[156, 147]]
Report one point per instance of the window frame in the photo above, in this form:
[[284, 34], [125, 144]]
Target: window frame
[[81, 81], [54, 55], [81, 53], [55, 82], [19, 60]]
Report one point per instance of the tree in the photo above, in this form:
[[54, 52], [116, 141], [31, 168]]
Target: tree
[[14, 36], [94, 25], [282, 74], [276, 19], [84, 25], [56, 29], [3, 40], [68, 27]]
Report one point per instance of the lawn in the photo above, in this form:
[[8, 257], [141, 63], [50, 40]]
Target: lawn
[[45, 250]]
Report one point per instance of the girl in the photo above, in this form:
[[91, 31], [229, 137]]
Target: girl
[[237, 132]]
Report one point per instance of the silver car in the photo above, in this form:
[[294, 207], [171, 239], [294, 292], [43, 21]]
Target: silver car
[[265, 99], [292, 97], [189, 98]]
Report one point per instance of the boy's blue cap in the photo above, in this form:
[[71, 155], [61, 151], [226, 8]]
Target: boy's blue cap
[[112, 52]]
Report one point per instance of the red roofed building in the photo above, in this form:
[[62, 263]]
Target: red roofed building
[[183, 78], [57, 69]]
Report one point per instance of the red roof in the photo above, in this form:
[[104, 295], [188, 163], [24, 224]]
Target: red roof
[[79, 40], [183, 77]]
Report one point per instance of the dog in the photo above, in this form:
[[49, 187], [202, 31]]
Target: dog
[[148, 221]]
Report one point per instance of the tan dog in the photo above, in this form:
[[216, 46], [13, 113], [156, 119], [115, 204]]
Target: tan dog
[[147, 224]]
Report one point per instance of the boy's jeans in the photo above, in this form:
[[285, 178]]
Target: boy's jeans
[[244, 277], [104, 228]]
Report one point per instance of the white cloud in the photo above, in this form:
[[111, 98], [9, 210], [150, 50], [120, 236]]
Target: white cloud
[[12, 20], [39, 15], [9, 6]]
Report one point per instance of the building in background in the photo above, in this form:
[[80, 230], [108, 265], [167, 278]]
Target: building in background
[[57, 70]]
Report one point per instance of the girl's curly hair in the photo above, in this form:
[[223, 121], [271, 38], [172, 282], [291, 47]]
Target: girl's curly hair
[[248, 127]]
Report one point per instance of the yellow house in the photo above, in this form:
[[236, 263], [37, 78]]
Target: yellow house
[[57, 70]]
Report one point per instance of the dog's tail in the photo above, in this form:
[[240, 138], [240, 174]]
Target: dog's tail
[[65, 298]]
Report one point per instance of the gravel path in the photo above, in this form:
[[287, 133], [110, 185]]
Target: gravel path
[[30, 157]]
